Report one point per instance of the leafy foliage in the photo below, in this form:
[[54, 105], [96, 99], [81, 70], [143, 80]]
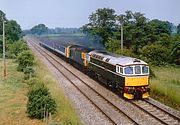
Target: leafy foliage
[[156, 54], [28, 73], [25, 59], [13, 30], [178, 29], [39, 29], [112, 45], [175, 53], [102, 23], [40, 102], [16, 48], [151, 40]]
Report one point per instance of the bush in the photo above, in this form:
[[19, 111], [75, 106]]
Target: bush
[[25, 59], [29, 73], [40, 102], [156, 54], [15, 48]]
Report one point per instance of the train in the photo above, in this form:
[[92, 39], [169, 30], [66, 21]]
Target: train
[[126, 75]]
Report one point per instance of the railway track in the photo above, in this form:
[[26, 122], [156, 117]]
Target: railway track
[[112, 108], [154, 111]]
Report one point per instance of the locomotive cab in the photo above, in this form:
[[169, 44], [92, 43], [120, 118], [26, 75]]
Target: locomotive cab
[[136, 80]]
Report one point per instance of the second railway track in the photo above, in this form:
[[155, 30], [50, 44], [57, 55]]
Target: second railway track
[[156, 112]]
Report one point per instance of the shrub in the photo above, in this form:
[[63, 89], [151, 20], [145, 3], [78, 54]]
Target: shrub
[[40, 102], [28, 73], [15, 48], [24, 60], [156, 54]]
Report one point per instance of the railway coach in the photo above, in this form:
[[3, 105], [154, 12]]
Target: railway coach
[[128, 76]]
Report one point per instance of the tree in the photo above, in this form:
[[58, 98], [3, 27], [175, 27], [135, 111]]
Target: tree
[[175, 53], [161, 26], [178, 29], [39, 29], [102, 23], [135, 28], [13, 30], [2, 17]]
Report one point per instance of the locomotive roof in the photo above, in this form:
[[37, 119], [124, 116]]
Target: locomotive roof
[[116, 59], [81, 48]]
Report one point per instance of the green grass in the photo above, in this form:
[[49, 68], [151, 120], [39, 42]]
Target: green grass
[[166, 86], [13, 97], [66, 114]]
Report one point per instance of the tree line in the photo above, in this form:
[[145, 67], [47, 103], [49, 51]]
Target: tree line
[[42, 29], [154, 41]]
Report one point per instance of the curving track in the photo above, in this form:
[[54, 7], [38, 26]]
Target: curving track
[[111, 111], [115, 114]]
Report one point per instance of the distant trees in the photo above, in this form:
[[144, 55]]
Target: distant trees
[[39, 29], [178, 29]]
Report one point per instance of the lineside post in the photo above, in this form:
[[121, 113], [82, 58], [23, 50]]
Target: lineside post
[[4, 51]]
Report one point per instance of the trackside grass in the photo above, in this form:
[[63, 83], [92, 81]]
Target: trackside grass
[[66, 114], [166, 86], [13, 98]]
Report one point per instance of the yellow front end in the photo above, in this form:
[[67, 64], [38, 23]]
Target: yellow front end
[[68, 51], [136, 86], [83, 55]]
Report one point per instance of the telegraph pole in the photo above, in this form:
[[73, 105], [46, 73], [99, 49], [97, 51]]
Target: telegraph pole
[[122, 36], [4, 55]]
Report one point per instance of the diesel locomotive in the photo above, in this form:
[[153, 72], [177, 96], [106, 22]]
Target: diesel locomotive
[[128, 76]]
